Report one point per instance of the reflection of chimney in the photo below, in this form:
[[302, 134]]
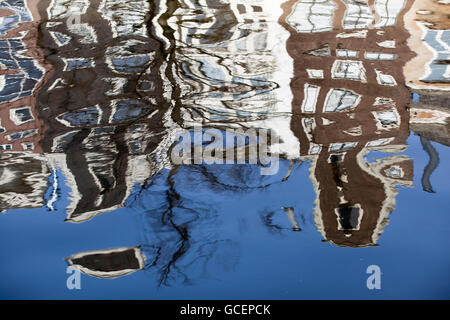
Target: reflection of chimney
[[110, 263], [291, 215]]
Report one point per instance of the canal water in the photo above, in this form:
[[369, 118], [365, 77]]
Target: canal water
[[212, 149]]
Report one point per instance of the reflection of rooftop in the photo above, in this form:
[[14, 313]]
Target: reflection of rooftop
[[110, 263]]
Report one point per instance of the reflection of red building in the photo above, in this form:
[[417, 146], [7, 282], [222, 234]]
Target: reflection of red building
[[23, 171], [349, 98], [21, 69]]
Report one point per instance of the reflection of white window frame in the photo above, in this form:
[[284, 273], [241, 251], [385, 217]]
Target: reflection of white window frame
[[315, 73], [400, 169], [14, 118], [379, 56], [382, 101], [27, 145], [80, 63], [5, 147], [378, 117], [358, 15], [314, 149], [361, 214], [351, 107], [29, 133], [312, 16], [385, 79], [339, 155], [310, 100], [379, 142], [388, 10], [349, 73], [342, 147], [387, 44], [4, 129], [309, 124], [345, 53], [68, 124]]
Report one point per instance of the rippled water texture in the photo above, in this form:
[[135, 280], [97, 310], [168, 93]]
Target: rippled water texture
[[95, 94]]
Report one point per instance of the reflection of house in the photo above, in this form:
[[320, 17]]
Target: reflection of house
[[21, 71], [233, 70], [110, 263], [349, 100], [104, 101]]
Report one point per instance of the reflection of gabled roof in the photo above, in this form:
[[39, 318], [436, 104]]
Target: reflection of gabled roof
[[109, 263]]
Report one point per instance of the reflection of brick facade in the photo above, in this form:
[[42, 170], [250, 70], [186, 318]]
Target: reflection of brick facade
[[21, 73], [104, 101], [24, 171], [349, 98]]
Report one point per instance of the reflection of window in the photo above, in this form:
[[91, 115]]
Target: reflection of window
[[78, 63], [394, 172], [2, 130], [4, 147], [380, 101], [21, 115], [28, 146], [349, 217], [344, 53], [310, 100], [352, 70], [340, 100], [315, 73], [379, 56], [82, 117], [312, 16], [339, 147], [335, 158], [385, 79], [22, 134], [379, 142], [309, 125], [358, 14], [315, 148], [387, 44], [387, 119], [323, 51], [388, 11]]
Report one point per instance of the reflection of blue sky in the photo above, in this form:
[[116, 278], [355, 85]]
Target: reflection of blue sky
[[412, 254]]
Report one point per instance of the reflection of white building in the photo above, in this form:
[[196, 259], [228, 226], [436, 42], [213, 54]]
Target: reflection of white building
[[233, 68]]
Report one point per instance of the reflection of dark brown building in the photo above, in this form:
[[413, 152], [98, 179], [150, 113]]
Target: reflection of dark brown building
[[111, 263], [349, 98], [104, 101]]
